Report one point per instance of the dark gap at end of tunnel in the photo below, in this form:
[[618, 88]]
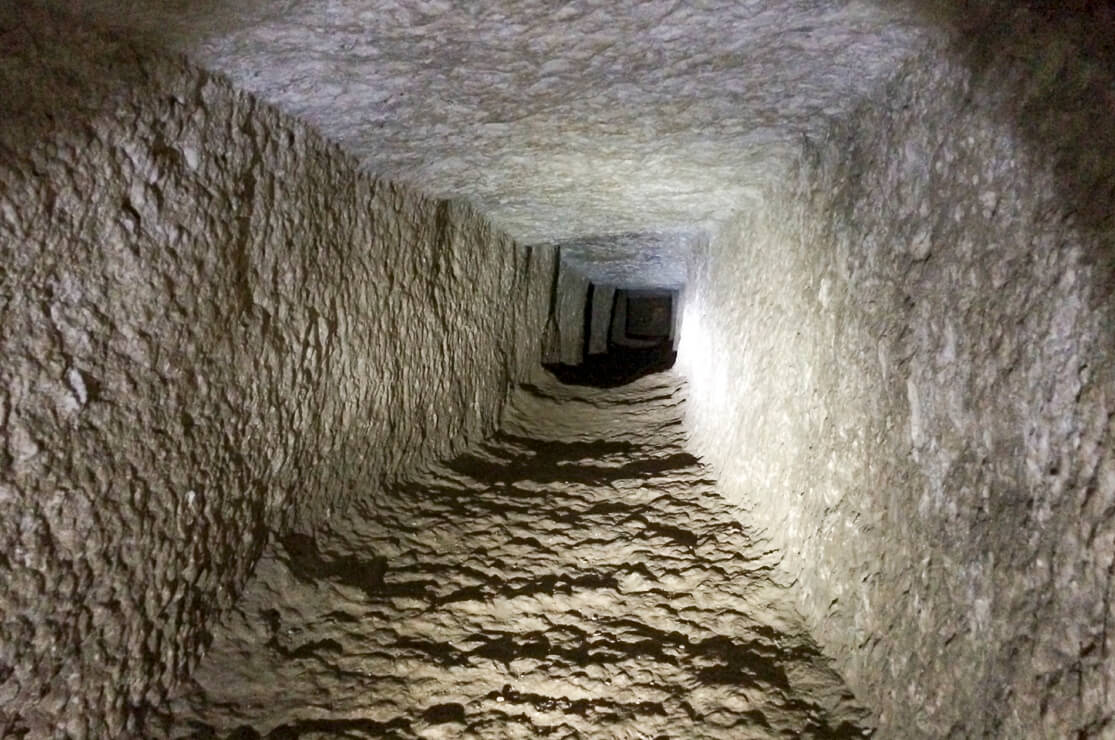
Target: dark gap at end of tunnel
[[623, 339]]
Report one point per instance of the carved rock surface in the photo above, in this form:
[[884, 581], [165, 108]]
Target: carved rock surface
[[558, 121], [212, 324], [904, 367], [577, 575], [898, 333]]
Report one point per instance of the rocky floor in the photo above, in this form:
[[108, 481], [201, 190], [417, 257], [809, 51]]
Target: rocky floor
[[575, 576]]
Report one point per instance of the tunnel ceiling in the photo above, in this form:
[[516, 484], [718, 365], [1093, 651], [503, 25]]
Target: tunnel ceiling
[[634, 260], [562, 122]]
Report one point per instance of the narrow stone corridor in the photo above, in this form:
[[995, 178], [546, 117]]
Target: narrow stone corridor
[[575, 576]]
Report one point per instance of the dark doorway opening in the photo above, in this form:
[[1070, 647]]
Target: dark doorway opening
[[649, 317]]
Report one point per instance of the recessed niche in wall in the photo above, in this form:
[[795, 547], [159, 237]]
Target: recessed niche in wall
[[649, 315]]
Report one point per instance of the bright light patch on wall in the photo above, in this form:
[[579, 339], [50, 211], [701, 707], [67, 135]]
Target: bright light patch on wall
[[698, 361]]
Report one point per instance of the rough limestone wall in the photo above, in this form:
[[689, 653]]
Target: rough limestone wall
[[603, 298], [213, 324], [903, 366], [569, 313]]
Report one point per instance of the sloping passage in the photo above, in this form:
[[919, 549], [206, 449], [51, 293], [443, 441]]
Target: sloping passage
[[575, 576]]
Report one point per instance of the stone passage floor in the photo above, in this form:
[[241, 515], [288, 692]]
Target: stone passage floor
[[575, 577]]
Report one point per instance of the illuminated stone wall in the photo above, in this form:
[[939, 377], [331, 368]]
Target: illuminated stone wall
[[901, 362]]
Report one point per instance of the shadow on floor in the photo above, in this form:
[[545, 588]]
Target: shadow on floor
[[619, 366]]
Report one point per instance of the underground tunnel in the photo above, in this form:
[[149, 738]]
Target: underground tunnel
[[403, 368]]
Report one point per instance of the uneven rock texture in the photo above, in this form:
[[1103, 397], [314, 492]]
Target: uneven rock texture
[[575, 576], [600, 323], [635, 260], [212, 324], [569, 313], [904, 368], [559, 121], [898, 328]]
